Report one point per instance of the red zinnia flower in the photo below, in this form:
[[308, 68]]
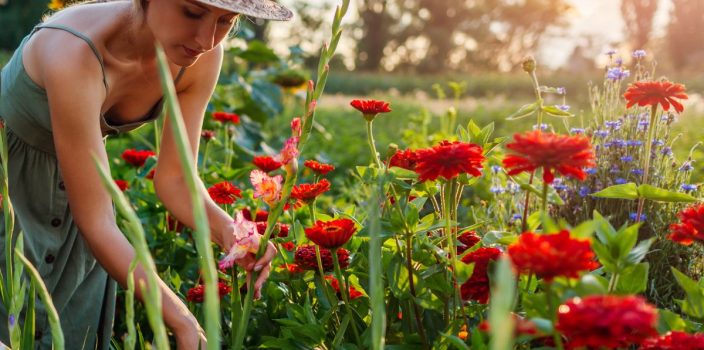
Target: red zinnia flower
[[331, 234], [261, 215], [370, 108], [691, 226], [197, 293], [306, 193], [552, 255], [224, 193], [564, 153], [122, 185], [477, 287], [468, 239], [406, 159], [282, 228], [318, 168], [224, 117], [289, 246], [151, 174], [292, 268], [606, 321], [335, 284], [136, 158], [305, 258], [449, 159], [266, 164], [653, 93], [523, 326], [207, 135], [675, 341]]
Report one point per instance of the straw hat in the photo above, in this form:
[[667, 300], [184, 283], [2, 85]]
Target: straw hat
[[265, 9]]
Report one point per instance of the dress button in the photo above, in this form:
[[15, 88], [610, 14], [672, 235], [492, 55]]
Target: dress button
[[61, 186], [49, 259], [56, 222]]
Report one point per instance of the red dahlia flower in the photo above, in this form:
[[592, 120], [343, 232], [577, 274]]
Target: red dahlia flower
[[136, 158], [289, 246], [691, 226], [306, 193], [406, 159], [477, 287], [197, 293], [224, 117], [122, 185], [370, 108], [305, 258], [318, 168], [266, 164], [207, 135], [653, 93], [552, 255], [675, 341], [224, 193], [331, 234], [607, 321], [468, 240], [292, 268], [282, 228], [335, 284], [448, 160], [566, 154]]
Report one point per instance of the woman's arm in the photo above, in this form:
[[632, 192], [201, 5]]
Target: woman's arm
[[169, 183], [73, 81]]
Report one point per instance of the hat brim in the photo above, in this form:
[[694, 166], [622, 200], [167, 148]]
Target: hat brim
[[264, 9]]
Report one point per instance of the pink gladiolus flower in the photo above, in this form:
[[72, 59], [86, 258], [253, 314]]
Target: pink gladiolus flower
[[289, 152], [296, 126], [246, 241], [266, 187]]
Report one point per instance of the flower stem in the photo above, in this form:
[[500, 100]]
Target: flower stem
[[557, 338], [412, 286], [344, 292], [524, 219], [451, 236], [545, 197], [372, 146], [236, 303], [646, 162]]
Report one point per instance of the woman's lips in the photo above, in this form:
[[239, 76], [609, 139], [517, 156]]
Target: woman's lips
[[191, 53]]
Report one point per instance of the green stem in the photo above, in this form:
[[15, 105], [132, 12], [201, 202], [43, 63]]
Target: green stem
[[536, 89], [344, 292], [236, 300], [545, 198], [411, 285], [613, 281], [372, 146], [451, 237], [524, 219], [557, 338], [205, 156], [646, 160]]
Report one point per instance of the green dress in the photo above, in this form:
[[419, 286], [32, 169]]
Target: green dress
[[83, 293]]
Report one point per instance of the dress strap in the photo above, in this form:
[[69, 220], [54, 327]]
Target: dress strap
[[84, 38], [179, 75]]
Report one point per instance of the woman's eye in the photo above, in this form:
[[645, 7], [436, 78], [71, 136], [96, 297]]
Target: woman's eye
[[190, 14]]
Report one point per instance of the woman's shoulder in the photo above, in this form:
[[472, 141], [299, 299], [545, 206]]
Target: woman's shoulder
[[93, 19]]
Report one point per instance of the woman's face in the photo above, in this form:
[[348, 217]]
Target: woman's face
[[187, 28]]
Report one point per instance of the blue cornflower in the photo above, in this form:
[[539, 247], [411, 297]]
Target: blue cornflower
[[601, 133], [666, 151], [639, 54], [560, 187], [561, 90], [576, 131], [583, 191], [497, 189], [618, 143], [626, 159], [633, 216], [615, 124], [513, 187], [617, 73], [620, 181], [634, 143], [542, 126], [590, 171], [614, 170], [637, 172], [495, 169], [516, 216], [687, 166], [643, 124], [563, 108], [619, 61], [611, 52], [688, 187], [658, 143]]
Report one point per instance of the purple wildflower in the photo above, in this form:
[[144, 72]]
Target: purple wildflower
[[583, 191], [563, 108], [620, 181], [638, 54], [616, 74], [687, 166], [688, 187], [626, 159]]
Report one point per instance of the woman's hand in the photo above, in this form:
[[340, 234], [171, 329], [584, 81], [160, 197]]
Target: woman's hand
[[263, 266], [190, 336]]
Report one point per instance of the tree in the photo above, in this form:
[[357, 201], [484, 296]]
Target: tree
[[685, 34], [375, 22], [638, 19]]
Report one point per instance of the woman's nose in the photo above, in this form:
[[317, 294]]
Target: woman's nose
[[205, 36]]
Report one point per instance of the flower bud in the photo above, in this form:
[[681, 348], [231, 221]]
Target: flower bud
[[528, 64]]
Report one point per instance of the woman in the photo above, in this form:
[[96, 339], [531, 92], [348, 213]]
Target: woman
[[86, 72]]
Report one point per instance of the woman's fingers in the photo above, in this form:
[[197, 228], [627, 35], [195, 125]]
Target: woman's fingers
[[263, 275], [267, 258]]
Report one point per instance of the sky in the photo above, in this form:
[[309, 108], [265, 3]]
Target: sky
[[600, 19]]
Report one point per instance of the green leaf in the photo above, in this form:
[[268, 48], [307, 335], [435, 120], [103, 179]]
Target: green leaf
[[590, 285], [584, 230], [454, 340], [670, 321], [397, 276], [500, 306], [524, 111], [693, 305], [658, 194], [626, 239], [604, 255], [464, 272], [624, 191], [556, 112], [258, 52], [633, 280], [637, 254]]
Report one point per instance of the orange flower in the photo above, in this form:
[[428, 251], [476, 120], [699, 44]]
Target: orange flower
[[691, 226], [448, 160], [653, 93], [318, 168], [537, 253], [266, 187], [331, 234], [566, 154]]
